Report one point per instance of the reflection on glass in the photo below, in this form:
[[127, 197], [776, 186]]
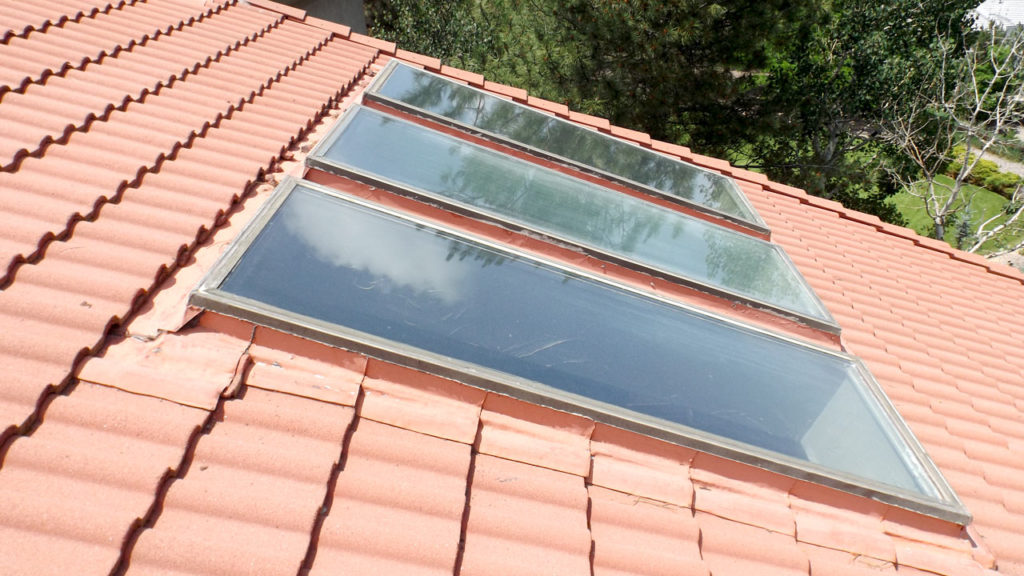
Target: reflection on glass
[[327, 258], [518, 123], [564, 207]]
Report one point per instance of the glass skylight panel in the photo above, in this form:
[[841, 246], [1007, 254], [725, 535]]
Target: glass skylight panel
[[324, 259], [554, 136], [397, 152]]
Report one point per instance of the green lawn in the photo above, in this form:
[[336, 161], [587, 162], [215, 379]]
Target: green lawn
[[985, 204]]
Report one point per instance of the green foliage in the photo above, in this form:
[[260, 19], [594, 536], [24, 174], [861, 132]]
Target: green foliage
[[831, 87], [436, 28], [1003, 182], [983, 170], [986, 173], [984, 204], [794, 88]]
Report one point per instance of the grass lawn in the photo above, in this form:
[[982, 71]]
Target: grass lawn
[[985, 204]]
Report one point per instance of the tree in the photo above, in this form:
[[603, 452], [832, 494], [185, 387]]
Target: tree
[[1002, 232], [826, 93], [953, 117], [795, 88]]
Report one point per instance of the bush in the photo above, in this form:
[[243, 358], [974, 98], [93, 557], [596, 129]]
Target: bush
[[1002, 183], [983, 170], [985, 174]]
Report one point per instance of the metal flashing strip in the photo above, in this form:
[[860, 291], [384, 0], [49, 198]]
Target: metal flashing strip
[[942, 503], [752, 221], [671, 249]]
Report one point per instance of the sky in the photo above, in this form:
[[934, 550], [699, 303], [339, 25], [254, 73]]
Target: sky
[[1007, 12]]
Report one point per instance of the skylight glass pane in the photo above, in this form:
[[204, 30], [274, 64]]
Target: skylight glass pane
[[334, 260], [412, 156], [552, 135]]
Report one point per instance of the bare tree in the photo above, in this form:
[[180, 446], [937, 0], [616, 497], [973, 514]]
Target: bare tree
[[975, 93], [1013, 223]]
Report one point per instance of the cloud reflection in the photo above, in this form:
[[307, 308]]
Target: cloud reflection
[[403, 257]]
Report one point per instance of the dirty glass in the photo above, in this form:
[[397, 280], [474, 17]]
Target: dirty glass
[[561, 206], [546, 133], [344, 263]]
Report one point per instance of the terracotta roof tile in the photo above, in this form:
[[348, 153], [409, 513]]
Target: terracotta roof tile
[[337, 28], [292, 365], [934, 560], [398, 505], [525, 432], [637, 536], [72, 492], [421, 402], [839, 521], [88, 40], [425, 61], [735, 549], [588, 120], [839, 563], [253, 490], [19, 19], [213, 94], [296, 13], [193, 367], [377, 44], [522, 517], [634, 464], [742, 493], [548, 106], [632, 135], [505, 90], [463, 75]]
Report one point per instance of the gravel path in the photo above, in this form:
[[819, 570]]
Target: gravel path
[[1006, 165]]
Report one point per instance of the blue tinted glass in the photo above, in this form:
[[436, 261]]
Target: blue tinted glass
[[412, 156], [346, 264], [540, 131]]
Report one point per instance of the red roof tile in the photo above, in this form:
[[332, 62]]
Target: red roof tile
[[636, 536], [73, 491], [253, 490], [731, 548], [528, 433], [397, 506], [132, 131], [523, 516], [421, 402], [641, 466]]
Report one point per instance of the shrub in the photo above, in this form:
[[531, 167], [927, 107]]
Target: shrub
[[1002, 183], [983, 170]]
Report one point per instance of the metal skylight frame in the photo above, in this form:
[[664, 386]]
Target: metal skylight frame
[[317, 158], [946, 506], [757, 225]]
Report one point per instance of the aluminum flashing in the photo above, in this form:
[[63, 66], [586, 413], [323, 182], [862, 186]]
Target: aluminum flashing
[[547, 135], [319, 257], [373, 146]]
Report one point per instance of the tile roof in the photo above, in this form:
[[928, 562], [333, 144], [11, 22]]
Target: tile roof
[[137, 437]]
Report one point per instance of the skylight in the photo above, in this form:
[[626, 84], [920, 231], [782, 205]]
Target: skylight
[[329, 266], [547, 135], [391, 151]]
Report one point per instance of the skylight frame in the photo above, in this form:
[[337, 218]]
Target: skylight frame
[[758, 225], [318, 159], [208, 295]]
